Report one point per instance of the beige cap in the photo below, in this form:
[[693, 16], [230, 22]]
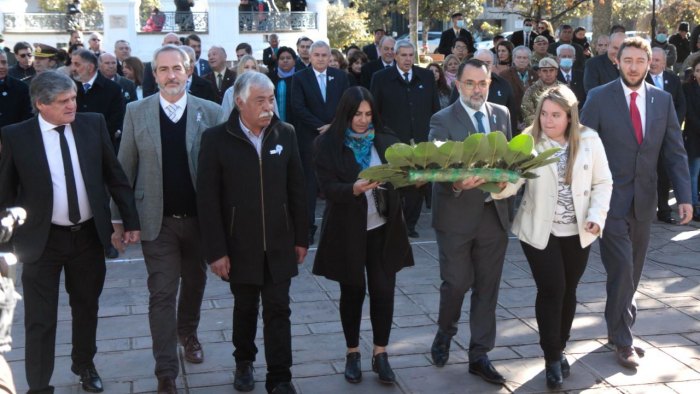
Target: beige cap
[[548, 62], [540, 38]]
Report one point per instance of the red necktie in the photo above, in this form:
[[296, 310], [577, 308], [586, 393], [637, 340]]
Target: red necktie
[[636, 118]]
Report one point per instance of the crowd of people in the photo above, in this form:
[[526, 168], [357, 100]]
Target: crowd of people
[[215, 167]]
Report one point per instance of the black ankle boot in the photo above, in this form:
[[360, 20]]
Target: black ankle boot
[[353, 369], [380, 365], [553, 374], [565, 367]]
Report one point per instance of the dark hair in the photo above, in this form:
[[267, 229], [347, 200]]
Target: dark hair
[[381, 30], [245, 46], [136, 65], [351, 46], [442, 86], [617, 29], [355, 57], [462, 40], [472, 63], [75, 47], [691, 75], [456, 15], [22, 45], [565, 27], [528, 20], [342, 63], [498, 37], [693, 39], [509, 46], [635, 42], [289, 50], [303, 38], [192, 37], [87, 56]]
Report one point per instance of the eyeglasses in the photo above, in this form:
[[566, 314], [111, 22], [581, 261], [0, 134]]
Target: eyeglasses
[[23, 55], [95, 39], [469, 84]]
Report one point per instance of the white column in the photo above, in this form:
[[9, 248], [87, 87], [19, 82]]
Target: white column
[[121, 22], [12, 7], [223, 25], [320, 7]]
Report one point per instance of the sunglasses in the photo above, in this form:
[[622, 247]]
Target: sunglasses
[[23, 55]]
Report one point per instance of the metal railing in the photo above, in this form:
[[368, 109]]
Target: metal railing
[[51, 22], [255, 22], [179, 22]]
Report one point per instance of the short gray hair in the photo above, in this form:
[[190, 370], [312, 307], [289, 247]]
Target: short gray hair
[[385, 38], [190, 52], [565, 46], [403, 44], [241, 88], [319, 44], [220, 48], [522, 48], [46, 86], [488, 52], [170, 48]]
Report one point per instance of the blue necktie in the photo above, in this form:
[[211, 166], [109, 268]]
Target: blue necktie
[[282, 99], [322, 85], [86, 87], [479, 124]]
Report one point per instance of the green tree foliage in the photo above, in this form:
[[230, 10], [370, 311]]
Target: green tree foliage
[[377, 12], [346, 26], [60, 5], [440, 10], [671, 13]]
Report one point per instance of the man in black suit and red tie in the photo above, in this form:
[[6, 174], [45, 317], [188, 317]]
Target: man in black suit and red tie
[[59, 166], [447, 38], [316, 91]]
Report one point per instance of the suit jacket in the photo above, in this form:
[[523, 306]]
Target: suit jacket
[[128, 89], [518, 38], [267, 59], [104, 97], [141, 156], [406, 108], [260, 224], [299, 65], [579, 59], [447, 39], [201, 88], [368, 70], [149, 85], [460, 212], [226, 82], [14, 102], [310, 111], [501, 93], [371, 51], [202, 67], [672, 85], [576, 85], [633, 166], [25, 180], [598, 71]]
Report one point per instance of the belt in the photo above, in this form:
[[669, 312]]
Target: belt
[[74, 228], [180, 216]]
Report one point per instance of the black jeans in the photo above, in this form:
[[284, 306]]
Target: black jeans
[[557, 270], [277, 329], [381, 296], [412, 202]]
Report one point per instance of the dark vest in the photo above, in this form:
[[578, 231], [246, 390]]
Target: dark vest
[[178, 191]]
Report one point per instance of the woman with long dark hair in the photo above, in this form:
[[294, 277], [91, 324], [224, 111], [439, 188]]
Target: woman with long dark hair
[[363, 230], [443, 89], [504, 51], [133, 71]]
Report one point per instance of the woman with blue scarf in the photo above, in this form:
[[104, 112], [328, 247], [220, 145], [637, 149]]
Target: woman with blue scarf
[[363, 229]]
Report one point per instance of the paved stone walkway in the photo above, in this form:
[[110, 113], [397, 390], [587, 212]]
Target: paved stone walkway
[[668, 327]]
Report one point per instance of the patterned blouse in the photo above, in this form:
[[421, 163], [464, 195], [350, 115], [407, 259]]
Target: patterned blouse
[[564, 215]]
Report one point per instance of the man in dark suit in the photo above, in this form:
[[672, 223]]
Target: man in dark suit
[[24, 69], [201, 65], [59, 166], [471, 228], [316, 92], [196, 85], [122, 50], [567, 74], [108, 69], [270, 53], [526, 36], [303, 55], [447, 38], [14, 97], [566, 37], [221, 78], [96, 93], [373, 50], [406, 98], [666, 80], [602, 69], [385, 60], [636, 122], [149, 85], [258, 246]]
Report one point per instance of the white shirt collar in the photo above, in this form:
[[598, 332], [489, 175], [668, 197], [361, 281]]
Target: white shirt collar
[[44, 125], [181, 103], [642, 91], [317, 73], [471, 113], [92, 80], [401, 72]]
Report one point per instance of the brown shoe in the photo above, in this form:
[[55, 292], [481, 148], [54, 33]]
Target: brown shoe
[[167, 386], [193, 350], [627, 357]]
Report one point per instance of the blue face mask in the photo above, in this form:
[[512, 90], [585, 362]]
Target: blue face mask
[[566, 63], [527, 29], [460, 24], [661, 37]]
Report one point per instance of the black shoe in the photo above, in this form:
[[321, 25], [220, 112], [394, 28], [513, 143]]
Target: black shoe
[[565, 367], [90, 380], [353, 369], [413, 234], [244, 380], [380, 365], [485, 369], [553, 374], [440, 351], [111, 252], [696, 217], [668, 219], [284, 388]]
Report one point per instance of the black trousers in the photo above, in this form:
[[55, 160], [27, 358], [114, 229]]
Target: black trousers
[[277, 328], [412, 199], [306, 153], [663, 187], [557, 270], [81, 254], [381, 296]]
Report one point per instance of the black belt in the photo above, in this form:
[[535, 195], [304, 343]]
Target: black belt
[[74, 228], [180, 216]]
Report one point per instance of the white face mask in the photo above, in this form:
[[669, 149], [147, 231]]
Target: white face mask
[[527, 29]]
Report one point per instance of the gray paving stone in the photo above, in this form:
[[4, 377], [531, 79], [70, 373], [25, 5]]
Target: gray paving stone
[[527, 375], [337, 384], [450, 379], [647, 388], [688, 355], [672, 340], [664, 321]]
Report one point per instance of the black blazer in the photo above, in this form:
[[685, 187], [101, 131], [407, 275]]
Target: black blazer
[[288, 94], [672, 85], [368, 70], [598, 71], [342, 249], [404, 107], [14, 102], [104, 97], [201, 88], [128, 89], [518, 38], [25, 181], [576, 85], [371, 51], [226, 82], [447, 39], [691, 128], [310, 111], [267, 59], [148, 84]]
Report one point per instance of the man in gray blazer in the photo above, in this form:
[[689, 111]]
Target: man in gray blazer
[[470, 227], [159, 154], [636, 122]]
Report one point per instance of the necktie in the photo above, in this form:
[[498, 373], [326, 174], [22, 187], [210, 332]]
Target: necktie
[[86, 87], [479, 124], [71, 190], [171, 111], [322, 85], [636, 118], [187, 85], [568, 79], [405, 77], [659, 82], [219, 78], [282, 99]]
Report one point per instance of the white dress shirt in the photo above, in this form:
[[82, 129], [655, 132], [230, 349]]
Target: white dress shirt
[[52, 147], [641, 103], [257, 140], [181, 105]]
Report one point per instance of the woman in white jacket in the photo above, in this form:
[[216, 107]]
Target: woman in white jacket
[[562, 212]]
